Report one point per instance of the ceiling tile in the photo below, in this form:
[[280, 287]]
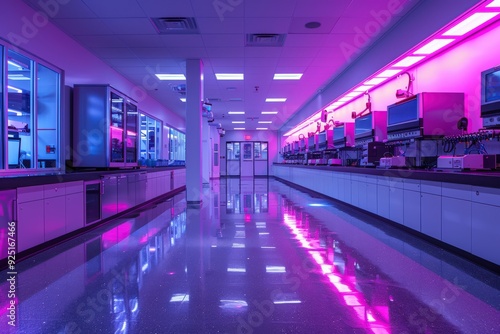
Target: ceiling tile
[[65, 10], [151, 52], [290, 52], [124, 62], [107, 9], [321, 8], [209, 25], [232, 40], [188, 53], [162, 62], [222, 10], [113, 52], [297, 61], [266, 8], [191, 41], [275, 25], [131, 26], [305, 40], [83, 26], [263, 52], [142, 41], [163, 8], [235, 62], [225, 52], [260, 62], [376, 10], [298, 25], [91, 41]]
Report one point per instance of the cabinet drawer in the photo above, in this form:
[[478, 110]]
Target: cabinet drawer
[[74, 187], [54, 190], [28, 194]]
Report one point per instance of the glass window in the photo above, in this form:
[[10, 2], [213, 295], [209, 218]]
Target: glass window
[[264, 151], [256, 151], [132, 129], [150, 137], [47, 117], [233, 151], [20, 106], [177, 145], [117, 128]]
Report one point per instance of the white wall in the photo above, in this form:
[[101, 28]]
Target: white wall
[[30, 31]]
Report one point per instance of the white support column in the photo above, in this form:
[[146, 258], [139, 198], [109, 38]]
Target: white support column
[[194, 162]]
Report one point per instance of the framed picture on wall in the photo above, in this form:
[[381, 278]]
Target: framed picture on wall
[[247, 151]]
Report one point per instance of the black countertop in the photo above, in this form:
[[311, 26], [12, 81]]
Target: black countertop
[[490, 179], [13, 182]]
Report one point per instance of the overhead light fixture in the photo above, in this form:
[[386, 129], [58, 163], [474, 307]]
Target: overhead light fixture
[[287, 76], [494, 3], [17, 90], [239, 128], [276, 99], [17, 77], [408, 61], [18, 113], [229, 76], [171, 76], [470, 23], [344, 99], [374, 81], [236, 113], [238, 122], [362, 88], [388, 73], [11, 63], [265, 122], [183, 99], [269, 112], [262, 128], [433, 46]]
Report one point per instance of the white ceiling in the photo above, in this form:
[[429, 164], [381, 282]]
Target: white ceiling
[[121, 33]]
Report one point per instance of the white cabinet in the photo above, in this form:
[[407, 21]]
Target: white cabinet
[[383, 201], [456, 220], [430, 215], [74, 212], [486, 231], [54, 217], [31, 229], [411, 199], [396, 204]]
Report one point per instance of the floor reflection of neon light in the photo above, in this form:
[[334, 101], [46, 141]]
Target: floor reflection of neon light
[[346, 289]]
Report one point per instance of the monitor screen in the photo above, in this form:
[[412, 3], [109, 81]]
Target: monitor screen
[[322, 137], [14, 150], [402, 112], [492, 86], [338, 133], [363, 125]]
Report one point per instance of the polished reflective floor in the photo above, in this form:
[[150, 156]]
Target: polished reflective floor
[[256, 257]]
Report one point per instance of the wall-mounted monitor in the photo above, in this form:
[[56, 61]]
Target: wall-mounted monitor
[[490, 92], [363, 126], [404, 114]]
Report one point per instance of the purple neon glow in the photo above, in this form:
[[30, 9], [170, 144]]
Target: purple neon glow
[[469, 24], [345, 287], [433, 46], [409, 61]]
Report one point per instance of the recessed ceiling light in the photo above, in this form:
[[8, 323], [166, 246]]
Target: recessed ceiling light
[[433, 46], [408, 61], [276, 99], [269, 112], [312, 25], [262, 128], [473, 21], [362, 88], [171, 76], [265, 122], [236, 113], [287, 76], [388, 73], [183, 99], [238, 122], [495, 3], [239, 128], [375, 81], [229, 76]]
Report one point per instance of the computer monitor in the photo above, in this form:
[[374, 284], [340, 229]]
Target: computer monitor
[[14, 151]]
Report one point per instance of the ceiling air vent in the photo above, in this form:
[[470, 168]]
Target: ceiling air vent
[[175, 25], [265, 39]]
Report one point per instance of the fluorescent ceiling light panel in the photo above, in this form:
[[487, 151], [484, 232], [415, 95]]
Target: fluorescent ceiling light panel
[[229, 76], [269, 112], [388, 73], [276, 99], [362, 88], [236, 113], [11, 63], [287, 76], [470, 23], [352, 94], [495, 3], [183, 99], [433, 46], [238, 122], [262, 128], [17, 90], [408, 61], [239, 128], [17, 77], [18, 113], [344, 99], [265, 122], [375, 81], [171, 76]]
